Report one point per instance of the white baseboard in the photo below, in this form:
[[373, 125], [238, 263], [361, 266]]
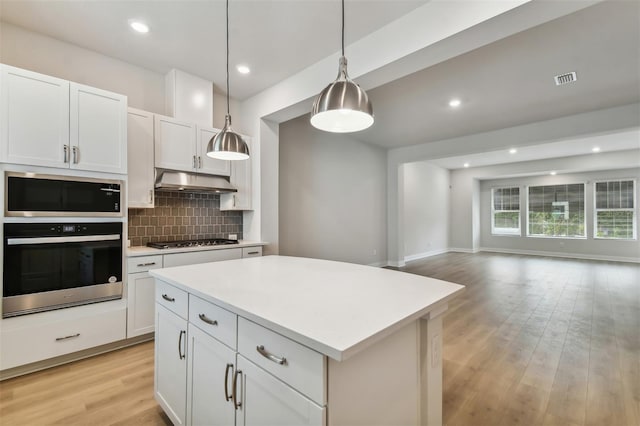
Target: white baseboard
[[396, 264], [462, 250], [381, 264], [419, 256], [561, 254]]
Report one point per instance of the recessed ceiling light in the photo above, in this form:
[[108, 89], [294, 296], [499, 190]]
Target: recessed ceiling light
[[243, 69], [595, 149], [466, 164], [455, 103], [513, 151], [139, 26], [553, 173]]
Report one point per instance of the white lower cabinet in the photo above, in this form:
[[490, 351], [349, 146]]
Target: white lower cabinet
[[170, 384], [141, 294], [210, 372], [218, 384], [268, 401]]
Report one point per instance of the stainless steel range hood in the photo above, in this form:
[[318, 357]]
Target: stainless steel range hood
[[169, 180]]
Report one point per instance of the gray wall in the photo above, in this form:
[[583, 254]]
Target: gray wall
[[590, 247], [332, 202], [426, 210]]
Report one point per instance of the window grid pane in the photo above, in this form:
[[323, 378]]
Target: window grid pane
[[506, 211], [557, 211], [615, 214]]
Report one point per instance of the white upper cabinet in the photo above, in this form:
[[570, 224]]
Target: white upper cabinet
[[34, 118], [241, 179], [207, 164], [98, 129], [140, 158], [51, 122], [175, 143]]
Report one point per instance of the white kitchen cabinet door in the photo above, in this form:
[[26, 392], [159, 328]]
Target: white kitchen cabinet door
[[268, 401], [170, 383], [209, 380], [175, 144], [241, 179], [34, 118], [98, 129], [140, 159], [207, 164], [140, 304]]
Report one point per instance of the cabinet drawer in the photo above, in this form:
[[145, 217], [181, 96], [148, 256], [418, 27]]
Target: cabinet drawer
[[143, 263], [251, 252], [300, 367], [192, 258], [38, 341], [213, 320], [172, 298]]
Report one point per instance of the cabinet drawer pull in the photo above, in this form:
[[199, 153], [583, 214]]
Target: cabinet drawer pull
[[168, 299], [234, 391], [147, 264], [180, 352], [204, 318], [226, 382], [271, 357], [67, 337], [253, 252]]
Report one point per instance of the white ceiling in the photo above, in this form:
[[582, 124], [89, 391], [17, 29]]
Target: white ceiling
[[510, 82], [276, 38], [504, 84]]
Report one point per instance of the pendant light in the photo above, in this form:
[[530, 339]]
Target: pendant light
[[227, 145], [343, 106]]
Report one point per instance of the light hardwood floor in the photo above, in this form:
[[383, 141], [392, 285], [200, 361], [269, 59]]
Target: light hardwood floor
[[532, 341]]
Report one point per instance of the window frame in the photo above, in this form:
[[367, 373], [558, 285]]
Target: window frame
[[634, 209], [561, 237], [493, 212]]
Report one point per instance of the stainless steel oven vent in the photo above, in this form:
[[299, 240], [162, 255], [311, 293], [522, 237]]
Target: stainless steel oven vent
[[569, 77]]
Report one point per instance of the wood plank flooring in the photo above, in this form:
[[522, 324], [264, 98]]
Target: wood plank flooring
[[533, 341]]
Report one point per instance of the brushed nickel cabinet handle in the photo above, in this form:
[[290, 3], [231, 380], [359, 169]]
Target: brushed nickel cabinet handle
[[234, 391], [199, 162], [148, 264], [65, 149], [67, 337], [271, 357], [168, 299], [151, 195], [180, 352], [204, 318], [253, 252], [227, 397], [195, 164], [76, 153]]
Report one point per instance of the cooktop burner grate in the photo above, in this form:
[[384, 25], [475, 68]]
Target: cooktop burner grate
[[192, 243]]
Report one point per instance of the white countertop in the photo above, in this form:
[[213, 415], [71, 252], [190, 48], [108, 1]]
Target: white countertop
[[334, 308], [147, 251]]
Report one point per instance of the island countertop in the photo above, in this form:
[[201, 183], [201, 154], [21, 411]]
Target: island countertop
[[332, 307]]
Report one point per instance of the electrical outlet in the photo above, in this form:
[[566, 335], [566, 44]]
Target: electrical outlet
[[233, 236]]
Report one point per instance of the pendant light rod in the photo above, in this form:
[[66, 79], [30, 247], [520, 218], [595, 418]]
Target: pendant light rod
[[342, 27], [228, 113]]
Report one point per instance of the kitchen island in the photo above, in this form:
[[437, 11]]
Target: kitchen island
[[286, 340]]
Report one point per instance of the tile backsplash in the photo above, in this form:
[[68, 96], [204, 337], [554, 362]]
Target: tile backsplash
[[182, 216]]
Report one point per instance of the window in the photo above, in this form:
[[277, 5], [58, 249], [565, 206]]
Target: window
[[556, 211], [505, 211], [615, 213]]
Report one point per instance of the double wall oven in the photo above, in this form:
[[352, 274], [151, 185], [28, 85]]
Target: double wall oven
[[72, 254]]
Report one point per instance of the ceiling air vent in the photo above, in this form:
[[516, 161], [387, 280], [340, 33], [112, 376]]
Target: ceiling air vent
[[569, 77]]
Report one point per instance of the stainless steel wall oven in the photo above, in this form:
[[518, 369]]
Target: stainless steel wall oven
[[55, 265]]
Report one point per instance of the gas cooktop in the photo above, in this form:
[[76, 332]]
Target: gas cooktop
[[192, 243]]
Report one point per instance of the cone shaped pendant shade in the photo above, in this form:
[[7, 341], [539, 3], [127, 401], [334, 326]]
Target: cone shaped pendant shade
[[343, 106], [227, 145]]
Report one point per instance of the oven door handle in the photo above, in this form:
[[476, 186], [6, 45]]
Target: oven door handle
[[55, 240]]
